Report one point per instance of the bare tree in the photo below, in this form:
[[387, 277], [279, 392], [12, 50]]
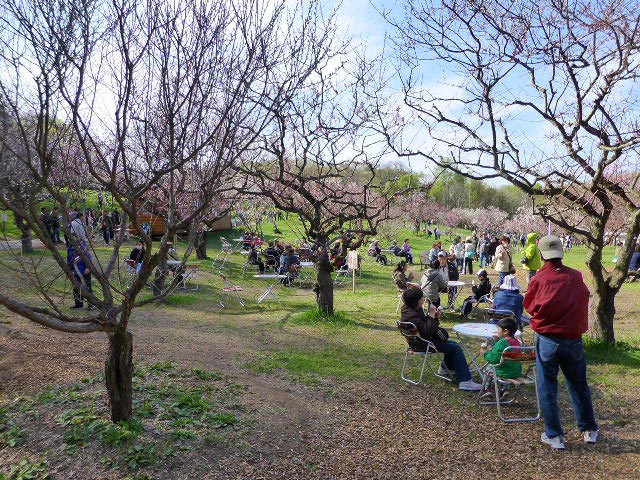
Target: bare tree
[[541, 94], [151, 102], [320, 162]]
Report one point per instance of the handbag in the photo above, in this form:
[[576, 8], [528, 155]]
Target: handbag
[[512, 269], [441, 335]]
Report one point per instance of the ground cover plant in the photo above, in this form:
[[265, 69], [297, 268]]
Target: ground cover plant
[[321, 397], [178, 412]]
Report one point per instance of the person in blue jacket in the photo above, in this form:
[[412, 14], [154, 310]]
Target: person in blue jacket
[[509, 298]]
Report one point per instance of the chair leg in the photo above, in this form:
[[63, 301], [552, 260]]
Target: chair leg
[[404, 366], [505, 419], [448, 378]]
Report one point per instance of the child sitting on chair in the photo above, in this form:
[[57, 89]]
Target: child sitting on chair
[[507, 328]]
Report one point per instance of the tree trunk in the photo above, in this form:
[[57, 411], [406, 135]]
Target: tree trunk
[[25, 238], [602, 307], [602, 312], [324, 284], [201, 246], [118, 372]]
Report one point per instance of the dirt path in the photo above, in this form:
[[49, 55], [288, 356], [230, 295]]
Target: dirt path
[[370, 429]]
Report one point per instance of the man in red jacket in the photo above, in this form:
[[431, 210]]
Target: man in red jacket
[[557, 300]]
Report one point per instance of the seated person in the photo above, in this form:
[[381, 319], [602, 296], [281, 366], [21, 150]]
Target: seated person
[[506, 333], [272, 256], [432, 283], [508, 298], [247, 240], [254, 259], [479, 291], [287, 260], [407, 250], [137, 255], [376, 252], [454, 361], [634, 265], [433, 253], [172, 253], [402, 275], [397, 250], [277, 244]]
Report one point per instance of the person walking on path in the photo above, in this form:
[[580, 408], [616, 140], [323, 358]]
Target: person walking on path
[[557, 301], [531, 260]]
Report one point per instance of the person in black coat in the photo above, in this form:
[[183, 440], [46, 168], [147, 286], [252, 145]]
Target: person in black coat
[[454, 363]]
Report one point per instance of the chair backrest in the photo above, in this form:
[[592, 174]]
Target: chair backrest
[[491, 314], [411, 334], [518, 354]]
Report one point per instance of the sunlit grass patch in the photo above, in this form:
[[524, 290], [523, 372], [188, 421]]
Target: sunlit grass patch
[[309, 367]]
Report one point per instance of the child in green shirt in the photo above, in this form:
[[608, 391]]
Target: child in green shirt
[[506, 332]]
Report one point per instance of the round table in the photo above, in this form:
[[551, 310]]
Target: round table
[[474, 330]]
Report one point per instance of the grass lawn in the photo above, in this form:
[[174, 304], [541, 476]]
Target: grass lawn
[[292, 396]]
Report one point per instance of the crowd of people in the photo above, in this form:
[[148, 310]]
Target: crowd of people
[[557, 300]]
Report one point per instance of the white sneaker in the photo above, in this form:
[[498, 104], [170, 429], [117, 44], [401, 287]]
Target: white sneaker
[[591, 436], [445, 371], [470, 386], [557, 443]]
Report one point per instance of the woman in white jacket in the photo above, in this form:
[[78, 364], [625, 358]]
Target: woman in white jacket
[[503, 257]]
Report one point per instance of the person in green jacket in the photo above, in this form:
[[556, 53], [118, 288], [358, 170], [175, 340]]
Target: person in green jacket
[[506, 332], [531, 260]]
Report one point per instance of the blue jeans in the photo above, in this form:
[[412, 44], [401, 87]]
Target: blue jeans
[[455, 360], [502, 275], [484, 260], [554, 353]]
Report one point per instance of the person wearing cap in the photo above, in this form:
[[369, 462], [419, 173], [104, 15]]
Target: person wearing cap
[[531, 260], [557, 300], [479, 291], [508, 298]]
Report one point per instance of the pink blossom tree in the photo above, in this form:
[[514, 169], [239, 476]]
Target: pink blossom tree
[[546, 99], [149, 102]]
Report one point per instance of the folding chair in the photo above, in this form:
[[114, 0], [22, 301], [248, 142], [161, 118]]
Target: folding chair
[[270, 264], [130, 272], [475, 306], [524, 355], [226, 246], [230, 289], [491, 315], [220, 261], [419, 346], [342, 276], [191, 273]]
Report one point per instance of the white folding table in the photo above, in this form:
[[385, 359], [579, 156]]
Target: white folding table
[[467, 331], [455, 287]]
